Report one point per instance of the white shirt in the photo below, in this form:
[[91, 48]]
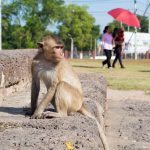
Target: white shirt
[[107, 41]]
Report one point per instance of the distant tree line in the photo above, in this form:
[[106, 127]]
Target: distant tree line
[[25, 22]]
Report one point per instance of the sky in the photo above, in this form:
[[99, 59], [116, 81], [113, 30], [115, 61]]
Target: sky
[[99, 8]]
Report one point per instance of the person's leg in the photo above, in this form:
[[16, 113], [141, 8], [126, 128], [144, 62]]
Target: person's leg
[[120, 59], [106, 54], [109, 58], [114, 62], [116, 57]]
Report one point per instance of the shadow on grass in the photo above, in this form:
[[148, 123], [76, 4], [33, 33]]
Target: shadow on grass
[[85, 66], [144, 70]]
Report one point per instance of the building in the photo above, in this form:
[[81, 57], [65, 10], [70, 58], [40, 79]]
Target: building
[[136, 42]]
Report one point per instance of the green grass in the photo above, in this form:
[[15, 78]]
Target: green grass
[[136, 75]]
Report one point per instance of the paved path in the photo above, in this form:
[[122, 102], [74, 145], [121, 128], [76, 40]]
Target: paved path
[[128, 120]]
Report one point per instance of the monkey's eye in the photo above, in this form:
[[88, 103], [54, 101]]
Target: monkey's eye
[[59, 47]]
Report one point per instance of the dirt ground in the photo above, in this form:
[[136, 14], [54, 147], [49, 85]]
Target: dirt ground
[[128, 120], [128, 123]]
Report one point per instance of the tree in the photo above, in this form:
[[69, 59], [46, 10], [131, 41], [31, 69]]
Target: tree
[[95, 34], [25, 22], [144, 23], [79, 25], [7, 17]]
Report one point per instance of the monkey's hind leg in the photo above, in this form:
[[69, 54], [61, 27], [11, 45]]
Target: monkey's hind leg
[[59, 102], [49, 114], [66, 100]]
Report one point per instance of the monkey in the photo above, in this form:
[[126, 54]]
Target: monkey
[[64, 89]]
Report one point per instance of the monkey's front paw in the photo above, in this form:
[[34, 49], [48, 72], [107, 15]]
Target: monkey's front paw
[[37, 116], [46, 115]]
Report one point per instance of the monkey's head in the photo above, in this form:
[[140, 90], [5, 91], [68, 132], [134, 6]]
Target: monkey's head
[[52, 48]]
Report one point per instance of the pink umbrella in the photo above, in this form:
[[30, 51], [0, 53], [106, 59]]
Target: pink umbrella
[[125, 16]]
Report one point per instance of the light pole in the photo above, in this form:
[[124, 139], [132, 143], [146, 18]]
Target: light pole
[[95, 48], [135, 48], [71, 48], [72, 45], [72, 42], [149, 24]]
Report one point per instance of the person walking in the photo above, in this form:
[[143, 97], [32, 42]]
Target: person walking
[[119, 40], [107, 43]]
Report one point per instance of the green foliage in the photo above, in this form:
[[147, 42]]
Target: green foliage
[[78, 24], [115, 24], [25, 22], [144, 23]]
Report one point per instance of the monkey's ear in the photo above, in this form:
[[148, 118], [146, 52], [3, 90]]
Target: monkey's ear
[[40, 44]]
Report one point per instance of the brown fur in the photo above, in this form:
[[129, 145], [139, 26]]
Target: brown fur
[[64, 89]]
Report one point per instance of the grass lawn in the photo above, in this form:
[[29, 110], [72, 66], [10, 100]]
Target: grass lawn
[[136, 75]]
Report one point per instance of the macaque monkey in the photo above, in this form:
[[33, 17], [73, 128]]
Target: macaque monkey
[[64, 89]]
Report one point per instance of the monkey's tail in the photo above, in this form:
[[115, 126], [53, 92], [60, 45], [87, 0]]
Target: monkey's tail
[[84, 111], [100, 114]]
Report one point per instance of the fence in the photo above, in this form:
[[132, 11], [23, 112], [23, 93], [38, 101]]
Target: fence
[[100, 55]]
